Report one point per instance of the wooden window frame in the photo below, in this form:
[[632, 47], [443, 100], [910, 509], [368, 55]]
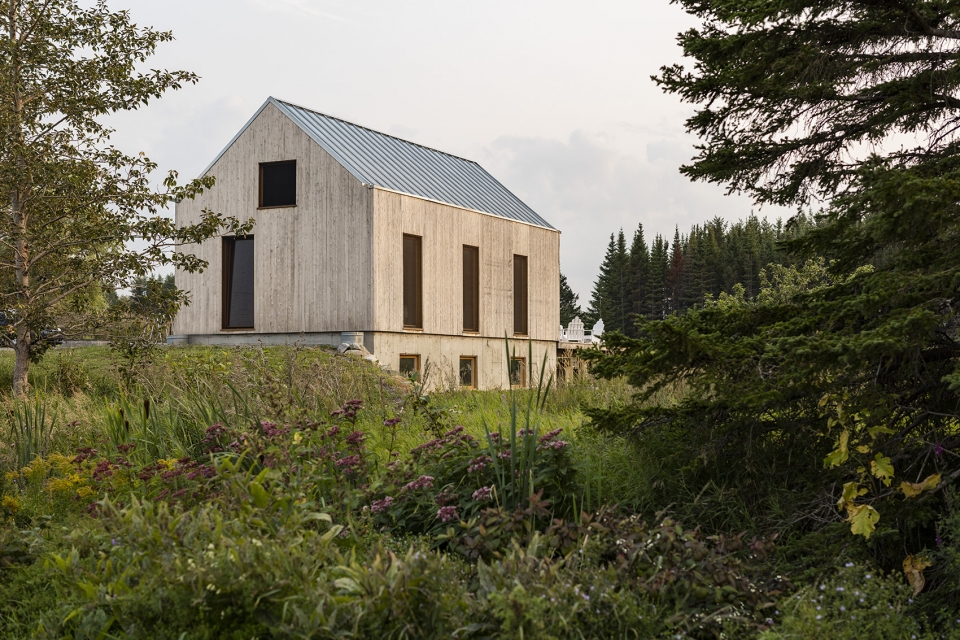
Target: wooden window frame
[[416, 359], [296, 190], [521, 319], [471, 321], [417, 325], [523, 372], [472, 359], [227, 254]]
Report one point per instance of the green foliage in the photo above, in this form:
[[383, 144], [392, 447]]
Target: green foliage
[[569, 302], [855, 603], [79, 214]]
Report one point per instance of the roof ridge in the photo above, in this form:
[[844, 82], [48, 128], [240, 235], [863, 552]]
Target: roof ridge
[[379, 133]]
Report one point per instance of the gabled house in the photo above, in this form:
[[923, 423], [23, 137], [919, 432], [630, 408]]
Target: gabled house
[[357, 232]]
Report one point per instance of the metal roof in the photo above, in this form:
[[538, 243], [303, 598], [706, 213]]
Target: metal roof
[[392, 163]]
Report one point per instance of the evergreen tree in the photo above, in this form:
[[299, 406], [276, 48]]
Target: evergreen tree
[[609, 298], [674, 278], [657, 280], [856, 365], [639, 270], [569, 302]]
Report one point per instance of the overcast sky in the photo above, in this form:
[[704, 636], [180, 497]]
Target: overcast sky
[[554, 98]]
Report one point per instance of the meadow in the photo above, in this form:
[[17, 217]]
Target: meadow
[[289, 492]]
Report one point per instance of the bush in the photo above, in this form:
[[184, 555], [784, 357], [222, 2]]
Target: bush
[[856, 602]]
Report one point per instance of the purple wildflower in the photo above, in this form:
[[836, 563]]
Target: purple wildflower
[[550, 435], [446, 514], [423, 482], [483, 494], [391, 422], [478, 464], [356, 438], [938, 450], [453, 432], [381, 505], [348, 463]]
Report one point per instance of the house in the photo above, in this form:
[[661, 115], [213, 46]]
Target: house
[[361, 236]]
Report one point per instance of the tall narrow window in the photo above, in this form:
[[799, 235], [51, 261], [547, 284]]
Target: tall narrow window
[[471, 288], [278, 184], [520, 295], [468, 372], [518, 372], [412, 282], [238, 283]]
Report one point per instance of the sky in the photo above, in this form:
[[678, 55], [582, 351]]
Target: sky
[[554, 98]]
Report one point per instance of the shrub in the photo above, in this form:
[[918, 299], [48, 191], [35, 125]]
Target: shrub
[[856, 602]]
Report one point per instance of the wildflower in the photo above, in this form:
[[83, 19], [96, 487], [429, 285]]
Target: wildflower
[[504, 454], [10, 504], [381, 505], [423, 482], [349, 463], [478, 464], [556, 445], [446, 514], [483, 494], [495, 437], [297, 438], [126, 448], [332, 431], [550, 435], [938, 450], [392, 422], [356, 438], [453, 432]]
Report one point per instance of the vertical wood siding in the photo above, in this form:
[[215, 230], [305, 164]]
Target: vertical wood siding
[[314, 266], [445, 229]]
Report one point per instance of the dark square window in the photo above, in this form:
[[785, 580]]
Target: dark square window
[[238, 283], [410, 365], [468, 372], [278, 184]]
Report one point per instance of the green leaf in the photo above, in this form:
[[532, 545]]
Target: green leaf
[[881, 468], [913, 489], [260, 496], [840, 454], [863, 519]]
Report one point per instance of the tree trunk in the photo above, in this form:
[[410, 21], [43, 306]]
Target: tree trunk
[[21, 366]]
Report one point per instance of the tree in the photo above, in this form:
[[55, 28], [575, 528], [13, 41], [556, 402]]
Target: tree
[[73, 206], [855, 104], [569, 302], [610, 296], [639, 270]]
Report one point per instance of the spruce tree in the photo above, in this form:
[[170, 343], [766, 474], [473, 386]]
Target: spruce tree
[[639, 270], [569, 302], [856, 104], [657, 280]]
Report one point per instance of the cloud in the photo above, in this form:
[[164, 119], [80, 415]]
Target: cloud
[[589, 187]]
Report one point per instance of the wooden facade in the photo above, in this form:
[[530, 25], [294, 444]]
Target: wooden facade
[[333, 263]]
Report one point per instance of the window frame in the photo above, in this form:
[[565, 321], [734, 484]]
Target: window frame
[[228, 253], [471, 324], [296, 190], [416, 360], [521, 293], [523, 372], [473, 360], [416, 323]]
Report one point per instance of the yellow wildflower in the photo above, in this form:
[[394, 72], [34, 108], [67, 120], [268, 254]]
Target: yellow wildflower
[[9, 503], [84, 492], [11, 476]]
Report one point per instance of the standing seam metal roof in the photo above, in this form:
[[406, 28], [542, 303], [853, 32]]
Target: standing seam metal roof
[[392, 163]]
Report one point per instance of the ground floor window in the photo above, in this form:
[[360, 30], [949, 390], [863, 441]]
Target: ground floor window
[[237, 283], [468, 372], [410, 364], [518, 372]]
